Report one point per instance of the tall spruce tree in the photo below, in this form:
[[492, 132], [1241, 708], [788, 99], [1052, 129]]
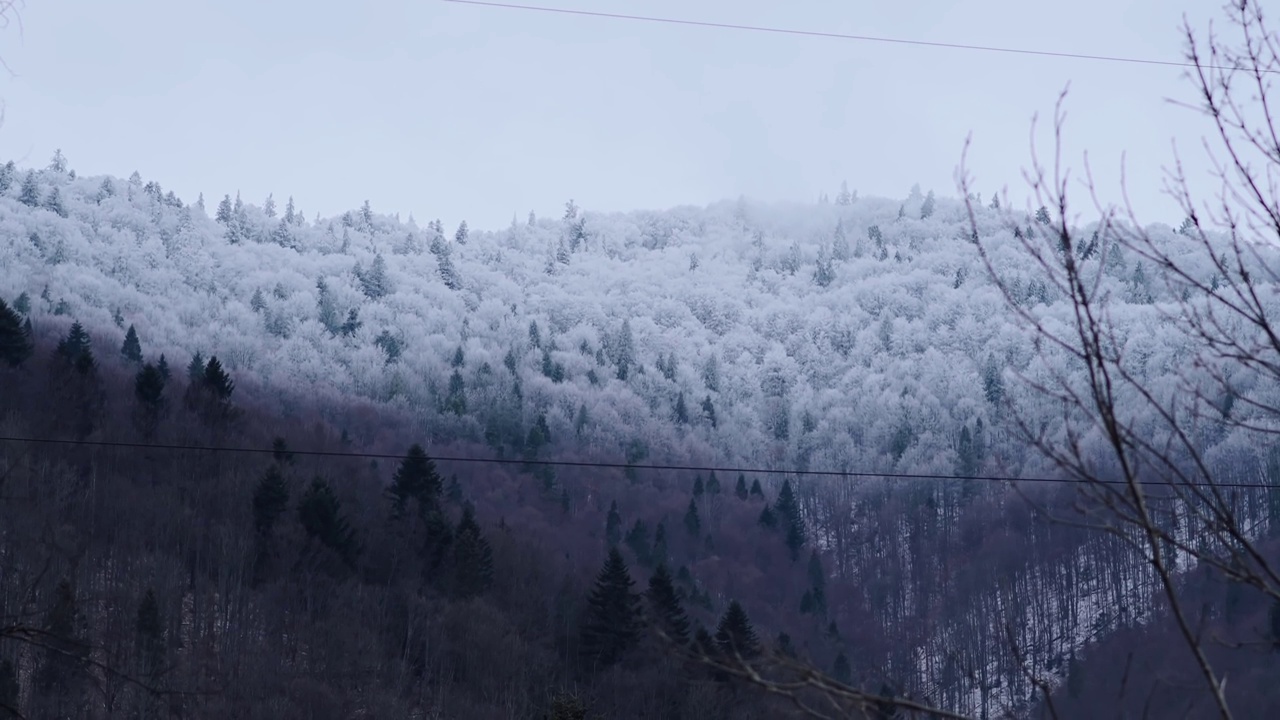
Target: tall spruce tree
[[148, 389], [270, 500], [735, 635], [416, 479], [472, 557], [131, 349], [320, 513], [15, 345], [692, 520], [612, 622], [664, 605]]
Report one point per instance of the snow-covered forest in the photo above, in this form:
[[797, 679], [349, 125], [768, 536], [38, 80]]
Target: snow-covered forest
[[862, 335], [858, 336]]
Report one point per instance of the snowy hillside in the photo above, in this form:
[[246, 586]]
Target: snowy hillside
[[859, 336]]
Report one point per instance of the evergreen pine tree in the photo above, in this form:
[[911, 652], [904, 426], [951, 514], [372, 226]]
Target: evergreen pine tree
[[638, 540], [29, 195], [270, 500], [756, 490], [223, 214], [713, 484], [741, 488], [195, 369], [734, 635], [660, 551], [15, 345], [472, 557], [709, 411], [664, 605], [132, 349], [456, 401], [788, 510], [53, 202], [320, 513], [22, 304], [461, 235], [416, 479], [352, 324], [699, 488], [692, 522], [768, 517], [148, 388], [612, 623], [217, 382], [682, 411], [76, 344]]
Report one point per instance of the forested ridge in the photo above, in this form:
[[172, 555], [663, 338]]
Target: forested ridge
[[863, 336]]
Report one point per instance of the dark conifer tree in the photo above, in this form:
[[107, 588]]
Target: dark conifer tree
[[692, 521], [216, 381], [416, 479], [768, 517], [682, 410], [76, 344], [698, 487], [15, 345], [741, 488], [270, 500], [713, 484], [660, 551], [148, 388], [195, 369], [472, 557], [664, 605], [756, 490], [734, 635], [612, 623], [638, 540], [320, 513], [132, 349]]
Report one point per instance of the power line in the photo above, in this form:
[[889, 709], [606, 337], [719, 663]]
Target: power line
[[633, 466], [842, 36]]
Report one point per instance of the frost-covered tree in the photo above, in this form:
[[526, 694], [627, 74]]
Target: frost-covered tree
[[461, 235], [376, 283], [29, 195], [844, 197], [224, 212], [269, 206], [59, 162]]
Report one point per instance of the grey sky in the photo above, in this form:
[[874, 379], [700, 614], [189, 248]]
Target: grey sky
[[463, 112]]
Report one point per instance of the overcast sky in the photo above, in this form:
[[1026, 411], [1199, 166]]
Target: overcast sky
[[464, 112]]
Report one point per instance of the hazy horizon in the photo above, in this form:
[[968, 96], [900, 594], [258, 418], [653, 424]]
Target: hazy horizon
[[446, 110]]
